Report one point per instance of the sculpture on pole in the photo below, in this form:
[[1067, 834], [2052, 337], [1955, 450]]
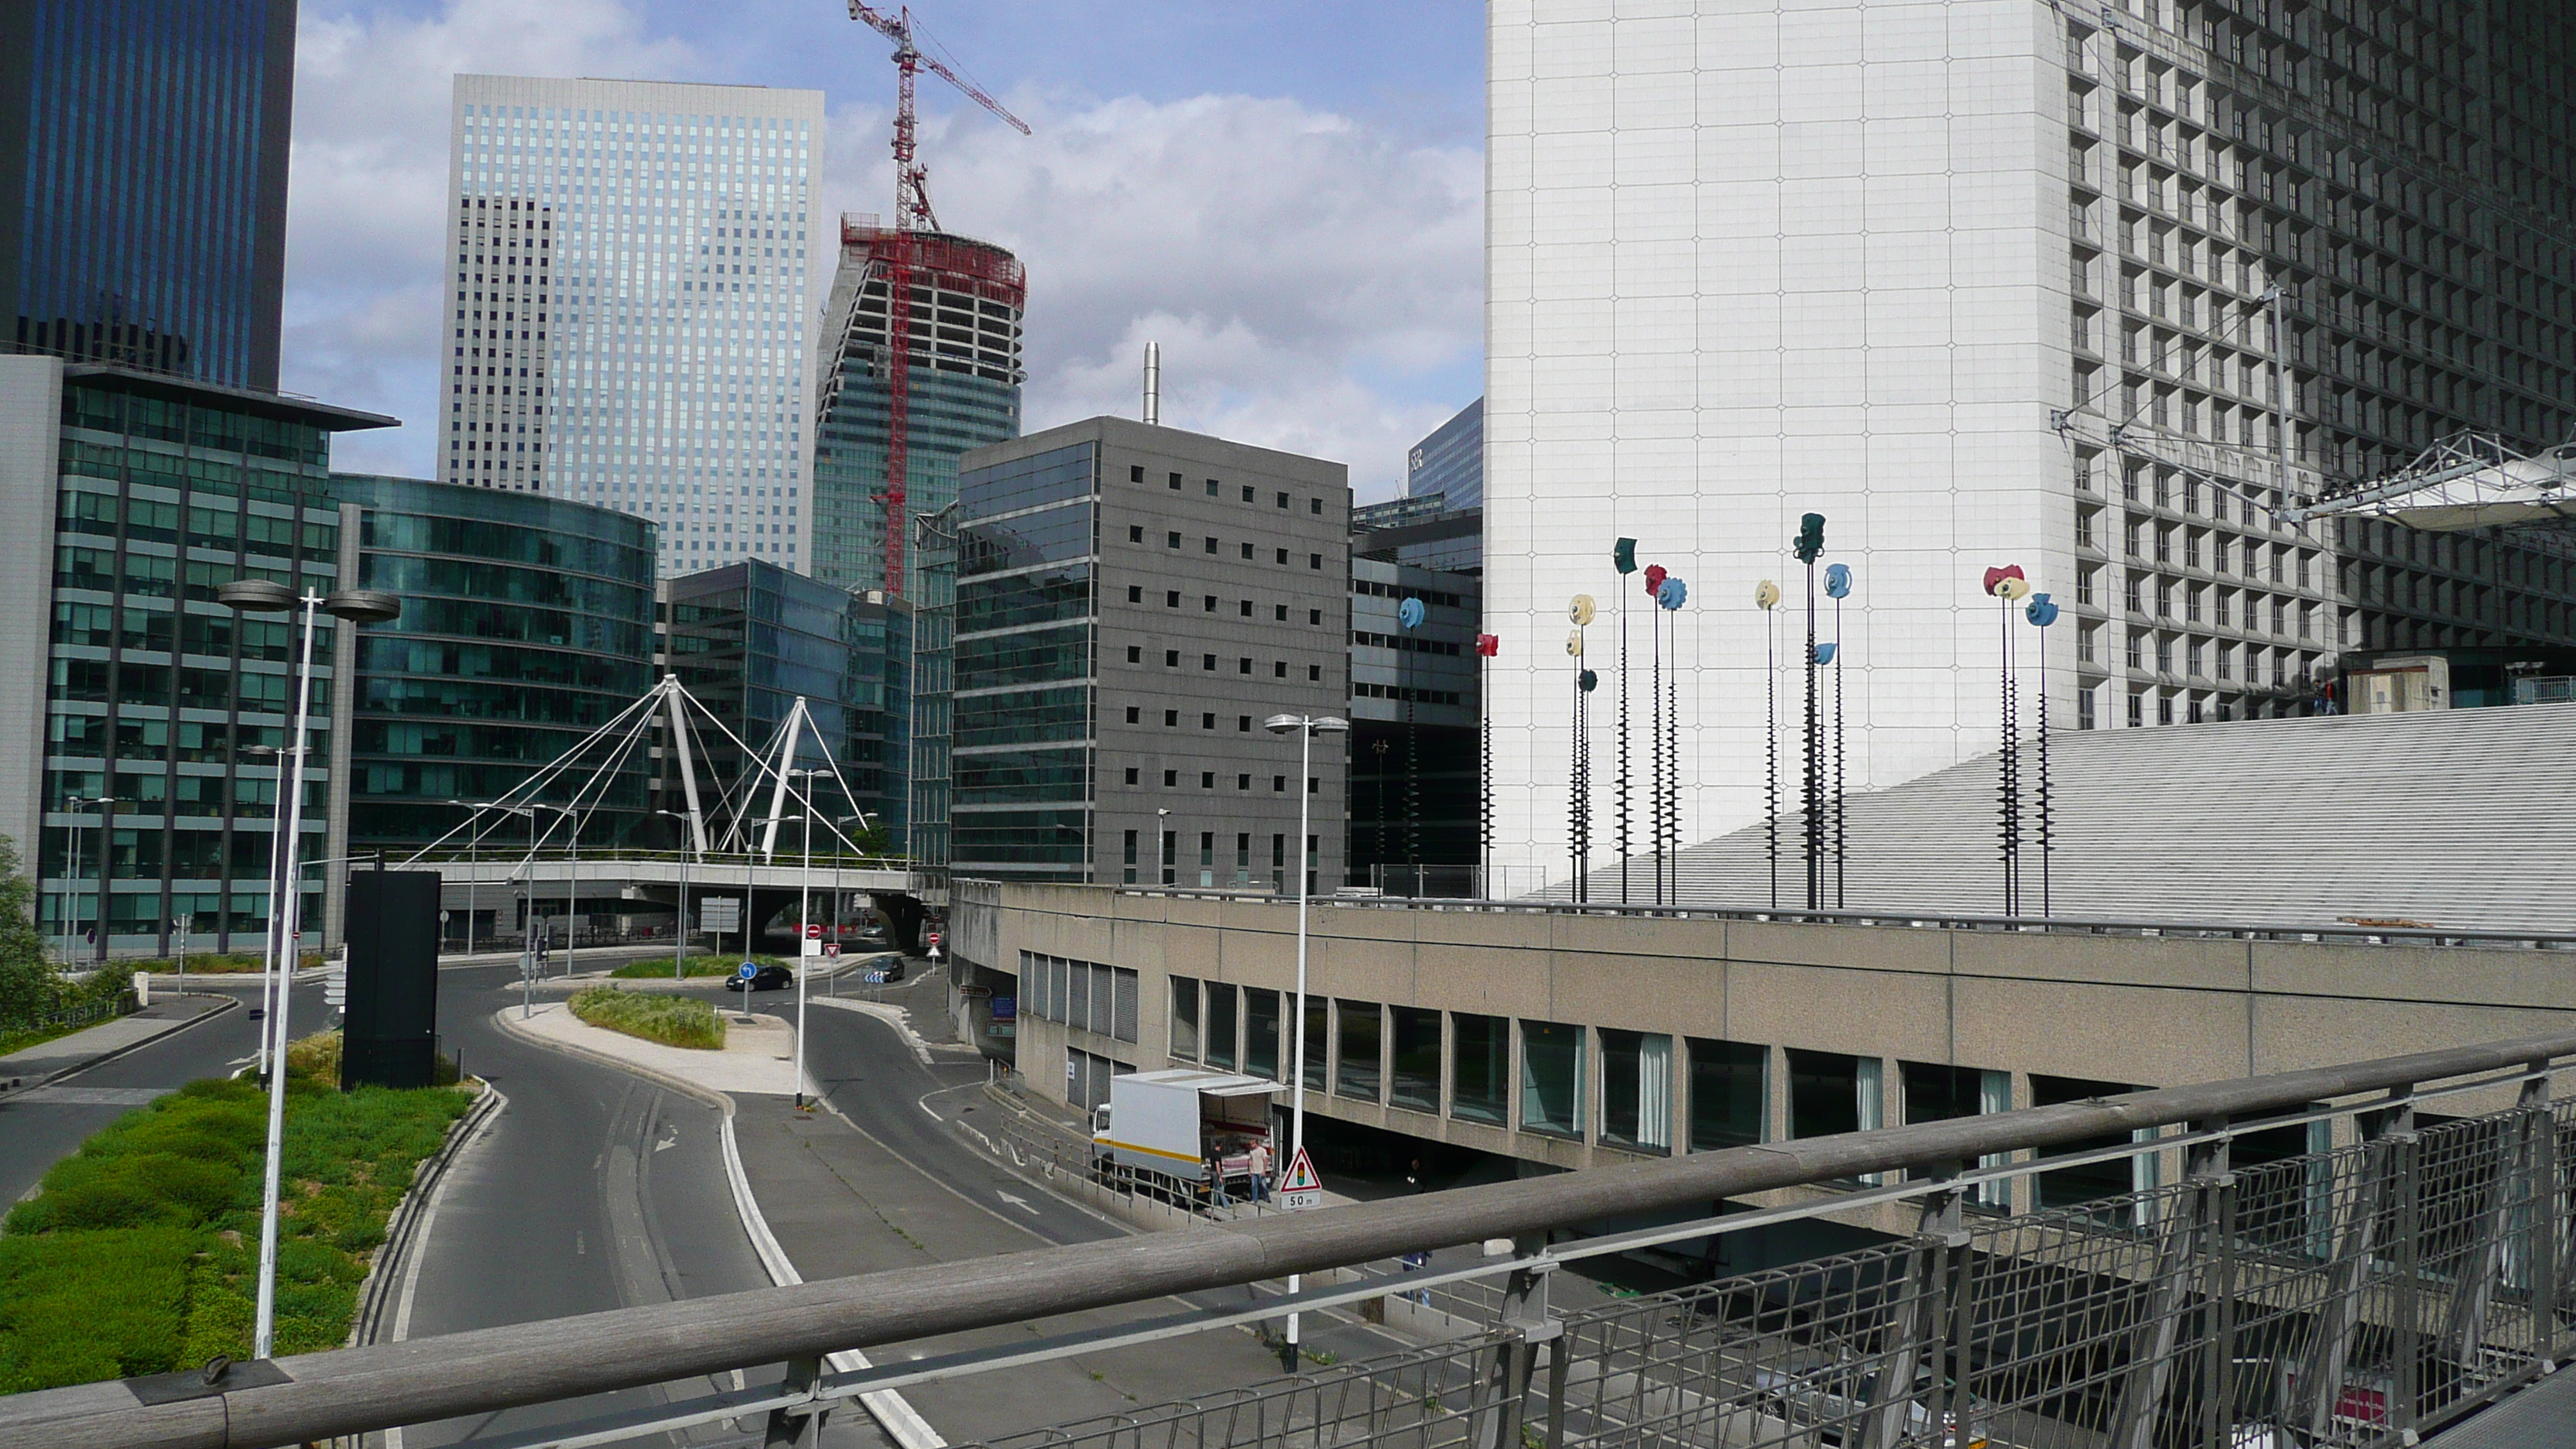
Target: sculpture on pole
[[1623, 557], [1487, 646], [1766, 596], [1581, 610], [2008, 587], [1811, 542], [1670, 595], [1838, 586], [2042, 613]]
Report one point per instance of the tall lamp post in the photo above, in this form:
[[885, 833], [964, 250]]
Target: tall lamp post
[[809, 947], [1306, 728], [358, 607], [680, 922]]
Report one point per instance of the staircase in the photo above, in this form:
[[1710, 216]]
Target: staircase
[[2456, 820]]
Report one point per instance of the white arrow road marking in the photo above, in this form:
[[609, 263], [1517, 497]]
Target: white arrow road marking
[[670, 1139], [1016, 1201]]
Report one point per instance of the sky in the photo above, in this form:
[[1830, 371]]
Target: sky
[[1289, 198]]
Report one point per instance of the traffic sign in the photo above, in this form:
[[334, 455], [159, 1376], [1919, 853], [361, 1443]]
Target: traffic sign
[[814, 932], [1301, 1188], [831, 948], [720, 915], [747, 970]]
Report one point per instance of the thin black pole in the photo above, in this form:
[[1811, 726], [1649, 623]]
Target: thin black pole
[[1771, 746], [1484, 776], [1673, 763], [1811, 796], [2045, 843], [2008, 783], [1655, 738], [1623, 739]]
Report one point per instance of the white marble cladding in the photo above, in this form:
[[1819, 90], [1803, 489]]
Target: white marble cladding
[[1750, 259]]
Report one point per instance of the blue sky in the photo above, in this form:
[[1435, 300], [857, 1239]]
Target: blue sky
[[1288, 198]]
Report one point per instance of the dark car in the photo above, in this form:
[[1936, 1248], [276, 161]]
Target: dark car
[[767, 978], [882, 972]]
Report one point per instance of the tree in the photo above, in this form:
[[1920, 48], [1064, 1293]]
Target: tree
[[27, 980]]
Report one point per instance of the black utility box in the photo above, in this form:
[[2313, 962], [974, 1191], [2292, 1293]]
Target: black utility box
[[389, 1031]]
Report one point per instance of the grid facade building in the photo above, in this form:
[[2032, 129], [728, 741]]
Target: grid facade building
[[143, 150], [133, 496], [629, 324], [1132, 603], [1450, 460], [2090, 291]]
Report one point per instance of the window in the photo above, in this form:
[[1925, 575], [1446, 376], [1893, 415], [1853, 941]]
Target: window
[[1172, 539], [1207, 721], [1552, 1078], [1247, 493], [2070, 1185], [1314, 616], [1185, 1018], [1417, 1059], [1279, 784], [1135, 654], [1171, 719], [1243, 724], [1479, 1058], [1171, 779], [1283, 555], [1261, 1032], [1171, 598], [1207, 781], [1314, 672], [1132, 712], [1135, 533], [1728, 1107], [1283, 500], [1129, 844], [1314, 560], [1637, 1089], [1175, 484], [1217, 1040], [1279, 669], [1243, 666], [1211, 487], [1824, 1093], [1136, 473], [1280, 613], [1247, 609], [1171, 659], [1247, 553], [1211, 545], [1208, 662], [1171, 843], [1318, 1039], [1131, 779], [1243, 782], [1315, 505], [1355, 1060], [1135, 593]]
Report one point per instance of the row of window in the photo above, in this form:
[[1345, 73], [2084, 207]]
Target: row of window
[[1168, 864], [1242, 781], [1207, 664], [1208, 602], [1375, 590], [1172, 540], [1216, 489]]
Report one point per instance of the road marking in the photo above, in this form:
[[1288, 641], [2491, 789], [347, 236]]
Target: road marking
[[93, 1096], [670, 1139], [1016, 1201], [580, 1244], [934, 1116]]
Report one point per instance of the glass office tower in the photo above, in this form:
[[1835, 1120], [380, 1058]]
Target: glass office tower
[[143, 182], [629, 317]]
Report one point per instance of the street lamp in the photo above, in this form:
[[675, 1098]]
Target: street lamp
[[1162, 851], [680, 922], [72, 867], [1306, 728], [358, 607], [806, 940]]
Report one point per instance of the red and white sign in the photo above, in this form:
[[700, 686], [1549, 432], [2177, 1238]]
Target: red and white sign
[[1301, 1188], [831, 948], [814, 932]]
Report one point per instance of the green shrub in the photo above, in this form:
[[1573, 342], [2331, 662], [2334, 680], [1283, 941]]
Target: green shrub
[[659, 968], [681, 1021], [141, 1253]]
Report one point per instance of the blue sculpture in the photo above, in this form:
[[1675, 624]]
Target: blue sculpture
[[1838, 581], [1824, 654], [1410, 613], [1672, 593]]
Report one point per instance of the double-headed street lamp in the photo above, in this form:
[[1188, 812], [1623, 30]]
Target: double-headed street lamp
[[73, 862], [680, 921], [1306, 728], [358, 607]]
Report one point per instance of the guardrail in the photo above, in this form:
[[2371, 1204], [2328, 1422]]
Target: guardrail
[[2341, 935], [2349, 1296]]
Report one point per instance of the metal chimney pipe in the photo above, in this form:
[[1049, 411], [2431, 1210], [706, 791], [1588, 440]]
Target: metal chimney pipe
[[1153, 384]]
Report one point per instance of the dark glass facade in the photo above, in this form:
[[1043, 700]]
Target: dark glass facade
[[1027, 552], [157, 695], [143, 149], [527, 623], [750, 638]]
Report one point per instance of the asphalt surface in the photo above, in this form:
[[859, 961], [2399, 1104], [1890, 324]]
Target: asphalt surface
[[592, 1189], [35, 1134]]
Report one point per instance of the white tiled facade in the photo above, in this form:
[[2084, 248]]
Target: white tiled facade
[[1754, 258], [632, 259]]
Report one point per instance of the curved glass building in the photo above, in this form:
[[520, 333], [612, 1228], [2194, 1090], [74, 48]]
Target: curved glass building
[[527, 623]]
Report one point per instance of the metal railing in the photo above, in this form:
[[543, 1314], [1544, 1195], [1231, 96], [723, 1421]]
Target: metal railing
[[2356, 1296], [2349, 934]]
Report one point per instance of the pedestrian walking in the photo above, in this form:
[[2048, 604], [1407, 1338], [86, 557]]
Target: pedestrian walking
[[1259, 1162], [1216, 1179]]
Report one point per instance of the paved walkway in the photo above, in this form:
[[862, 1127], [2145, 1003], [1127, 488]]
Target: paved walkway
[[759, 1053], [40, 1064]]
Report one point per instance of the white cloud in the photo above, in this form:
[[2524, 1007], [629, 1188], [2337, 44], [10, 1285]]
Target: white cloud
[[1315, 286]]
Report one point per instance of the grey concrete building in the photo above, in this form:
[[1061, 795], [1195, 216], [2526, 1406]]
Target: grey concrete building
[[1132, 602]]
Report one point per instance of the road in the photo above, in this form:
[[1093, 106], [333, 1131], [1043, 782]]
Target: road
[[592, 1189], [36, 1134]]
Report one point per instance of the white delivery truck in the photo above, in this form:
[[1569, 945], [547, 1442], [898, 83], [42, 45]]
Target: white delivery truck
[[1171, 1122]]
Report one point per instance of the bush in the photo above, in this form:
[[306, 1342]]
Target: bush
[[680, 1021], [701, 964], [141, 1252]]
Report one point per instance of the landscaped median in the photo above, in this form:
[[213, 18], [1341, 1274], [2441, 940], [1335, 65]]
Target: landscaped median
[[658, 968], [140, 1253], [680, 1021]]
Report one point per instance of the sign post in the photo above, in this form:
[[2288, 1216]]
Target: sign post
[[1301, 1188]]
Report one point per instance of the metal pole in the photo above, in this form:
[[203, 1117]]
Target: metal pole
[[804, 934], [680, 922], [473, 860], [1812, 794], [1297, 1077], [264, 1323], [572, 881]]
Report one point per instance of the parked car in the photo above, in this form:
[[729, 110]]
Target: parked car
[[767, 978]]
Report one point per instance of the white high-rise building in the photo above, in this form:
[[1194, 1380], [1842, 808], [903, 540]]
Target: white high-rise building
[[1991, 282], [632, 264]]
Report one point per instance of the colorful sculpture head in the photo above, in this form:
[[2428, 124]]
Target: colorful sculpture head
[[2040, 611], [1580, 609], [1488, 645], [1671, 593], [2007, 582], [1837, 581], [1623, 555], [1409, 613], [1767, 594], [1825, 653]]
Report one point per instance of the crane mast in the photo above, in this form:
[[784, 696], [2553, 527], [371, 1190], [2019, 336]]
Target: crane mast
[[911, 213]]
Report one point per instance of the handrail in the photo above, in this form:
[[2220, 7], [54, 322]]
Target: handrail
[[349, 1391], [2347, 933]]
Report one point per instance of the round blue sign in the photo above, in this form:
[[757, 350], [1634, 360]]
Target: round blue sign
[[747, 971]]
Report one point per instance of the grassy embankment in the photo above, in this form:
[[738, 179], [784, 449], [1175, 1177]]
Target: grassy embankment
[[658, 968], [140, 1253], [680, 1021]]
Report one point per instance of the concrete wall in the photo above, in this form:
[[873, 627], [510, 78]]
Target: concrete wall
[[31, 413], [2132, 1010]]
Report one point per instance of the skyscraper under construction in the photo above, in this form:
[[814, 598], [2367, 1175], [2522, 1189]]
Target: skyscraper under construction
[[962, 390]]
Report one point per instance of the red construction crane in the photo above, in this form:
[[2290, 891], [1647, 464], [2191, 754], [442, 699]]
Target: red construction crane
[[911, 213]]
